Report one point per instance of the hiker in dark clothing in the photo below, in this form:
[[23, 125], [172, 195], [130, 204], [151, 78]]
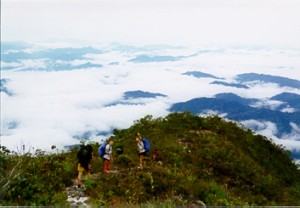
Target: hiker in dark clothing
[[84, 156]]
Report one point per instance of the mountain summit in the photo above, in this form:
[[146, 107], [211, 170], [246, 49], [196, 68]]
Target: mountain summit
[[198, 161]]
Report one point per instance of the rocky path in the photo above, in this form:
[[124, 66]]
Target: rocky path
[[76, 196]]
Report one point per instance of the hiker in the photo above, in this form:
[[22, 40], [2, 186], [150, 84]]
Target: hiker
[[84, 156], [154, 154], [107, 157], [141, 149]]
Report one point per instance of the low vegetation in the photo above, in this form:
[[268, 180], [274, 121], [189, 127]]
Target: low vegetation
[[200, 160]]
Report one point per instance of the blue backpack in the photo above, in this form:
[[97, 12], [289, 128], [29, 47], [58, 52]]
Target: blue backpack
[[146, 145], [101, 150]]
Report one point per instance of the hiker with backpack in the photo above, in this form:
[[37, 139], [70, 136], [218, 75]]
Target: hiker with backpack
[[143, 146], [105, 151], [84, 157]]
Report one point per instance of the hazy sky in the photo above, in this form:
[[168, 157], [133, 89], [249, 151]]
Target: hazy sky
[[186, 22]]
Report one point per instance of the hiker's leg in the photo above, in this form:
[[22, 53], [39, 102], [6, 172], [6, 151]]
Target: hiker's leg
[[141, 160], [106, 166], [79, 178], [104, 161], [80, 171], [89, 171]]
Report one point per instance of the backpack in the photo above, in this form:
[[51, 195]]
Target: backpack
[[101, 150], [146, 145], [83, 152]]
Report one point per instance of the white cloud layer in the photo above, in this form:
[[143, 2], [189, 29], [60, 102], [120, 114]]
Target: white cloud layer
[[53, 107]]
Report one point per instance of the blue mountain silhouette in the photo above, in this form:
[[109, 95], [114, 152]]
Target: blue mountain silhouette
[[238, 109], [230, 84], [199, 74], [281, 81], [141, 94]]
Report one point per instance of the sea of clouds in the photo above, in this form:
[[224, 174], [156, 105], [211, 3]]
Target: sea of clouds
[[58, 107]]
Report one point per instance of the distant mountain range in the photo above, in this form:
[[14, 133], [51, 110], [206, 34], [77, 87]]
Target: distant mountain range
[[147, 58], [231, 97], [141, 94], [14, 46], [158, 58], [289, 100], [239, 109], [230, 84], [199, 74], [56, 59], [65, 54], [3, 87], [129, 97], [247, 80], [281, 81]]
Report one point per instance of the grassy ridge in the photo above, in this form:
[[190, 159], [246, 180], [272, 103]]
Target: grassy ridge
[[200, 159]]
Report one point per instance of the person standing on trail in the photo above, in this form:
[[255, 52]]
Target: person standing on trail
[[141, 149], [84, 156], [107, 157], [154, 154]]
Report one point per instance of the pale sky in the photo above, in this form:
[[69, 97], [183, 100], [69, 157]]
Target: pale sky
[[185, 22]]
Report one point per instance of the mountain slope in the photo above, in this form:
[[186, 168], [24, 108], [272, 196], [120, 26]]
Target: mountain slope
[[207, 159], [200, 160]]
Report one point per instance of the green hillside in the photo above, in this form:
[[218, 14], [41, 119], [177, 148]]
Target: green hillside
[[199, 159]]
